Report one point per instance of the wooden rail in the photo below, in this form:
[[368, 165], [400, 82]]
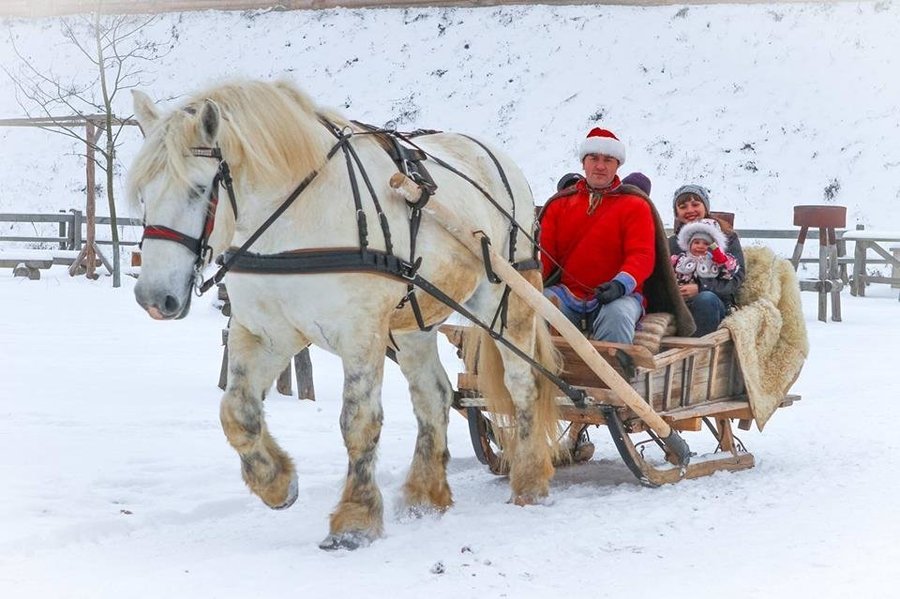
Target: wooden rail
[[67, 238], [813, 235], [69, 232]]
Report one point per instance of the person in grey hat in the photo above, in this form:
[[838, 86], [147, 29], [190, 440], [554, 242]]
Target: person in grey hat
[[709, 299]]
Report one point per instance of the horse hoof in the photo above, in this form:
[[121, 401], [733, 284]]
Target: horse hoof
[[417, 512], [423, 510], [293, 492], [348, 541], [522, 500]]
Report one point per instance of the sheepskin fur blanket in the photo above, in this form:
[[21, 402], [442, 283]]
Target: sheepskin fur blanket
[[769, 331]]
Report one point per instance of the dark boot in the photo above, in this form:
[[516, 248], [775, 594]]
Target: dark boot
[[627, 364]]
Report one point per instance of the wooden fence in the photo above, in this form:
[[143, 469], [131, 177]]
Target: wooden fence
[[64, 229], [32, 242]]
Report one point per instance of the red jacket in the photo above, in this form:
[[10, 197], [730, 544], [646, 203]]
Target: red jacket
[[615, 241]]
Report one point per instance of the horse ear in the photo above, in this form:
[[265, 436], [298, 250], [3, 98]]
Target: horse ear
[[144, 109], [209, 121]]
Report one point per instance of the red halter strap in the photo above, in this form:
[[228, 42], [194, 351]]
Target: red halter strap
[[199, 246]]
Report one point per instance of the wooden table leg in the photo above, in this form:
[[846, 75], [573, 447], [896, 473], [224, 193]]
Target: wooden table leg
[[859, 267], [283, 382], [798, 248], [834, 276], [863, 269], [823, 276]]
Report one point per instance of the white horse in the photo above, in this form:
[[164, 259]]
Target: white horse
[[272, 137]]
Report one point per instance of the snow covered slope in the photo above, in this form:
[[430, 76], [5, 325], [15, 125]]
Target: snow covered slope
[[767, 105]]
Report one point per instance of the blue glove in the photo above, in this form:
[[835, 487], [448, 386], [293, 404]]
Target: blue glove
[[609, 292]]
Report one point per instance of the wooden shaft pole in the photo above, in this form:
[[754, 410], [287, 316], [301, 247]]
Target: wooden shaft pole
[[471, 240]]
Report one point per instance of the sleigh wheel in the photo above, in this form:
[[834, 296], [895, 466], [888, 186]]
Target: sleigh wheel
[[485, 441]]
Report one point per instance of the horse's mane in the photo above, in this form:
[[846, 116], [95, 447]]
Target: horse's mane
[[269, 134]]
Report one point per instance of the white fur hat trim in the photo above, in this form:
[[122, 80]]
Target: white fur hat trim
[[608, 146], [706, 227]]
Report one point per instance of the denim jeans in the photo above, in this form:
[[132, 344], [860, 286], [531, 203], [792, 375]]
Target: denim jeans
[[613, 322], [708, 311]]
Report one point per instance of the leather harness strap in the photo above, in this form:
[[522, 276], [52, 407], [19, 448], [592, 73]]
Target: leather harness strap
[[361, 259]]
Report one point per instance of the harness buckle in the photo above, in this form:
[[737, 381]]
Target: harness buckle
[[198, 280], [206, 256], [407, 271]]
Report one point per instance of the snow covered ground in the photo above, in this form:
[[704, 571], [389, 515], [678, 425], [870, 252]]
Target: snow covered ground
[[118, 481]]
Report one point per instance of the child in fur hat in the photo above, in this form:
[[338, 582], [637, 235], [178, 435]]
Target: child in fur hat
[[704, 253]]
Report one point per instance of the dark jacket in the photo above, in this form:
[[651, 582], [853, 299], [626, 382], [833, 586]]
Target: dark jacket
[[726, 289]]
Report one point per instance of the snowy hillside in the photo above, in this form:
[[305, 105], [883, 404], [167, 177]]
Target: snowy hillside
[[768, 105]]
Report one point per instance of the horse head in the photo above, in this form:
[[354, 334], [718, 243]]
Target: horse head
[[175, 178], [268, 132]]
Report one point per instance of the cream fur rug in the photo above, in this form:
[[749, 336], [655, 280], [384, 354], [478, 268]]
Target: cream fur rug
[[768, 330]]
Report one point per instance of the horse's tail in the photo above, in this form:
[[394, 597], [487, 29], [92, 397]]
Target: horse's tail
[[546, 409], [482, 356]]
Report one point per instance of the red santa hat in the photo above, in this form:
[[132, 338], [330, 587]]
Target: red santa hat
[[602, 141]]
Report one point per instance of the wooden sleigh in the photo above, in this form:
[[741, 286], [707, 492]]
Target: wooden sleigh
[[694, 384], [690, 383]]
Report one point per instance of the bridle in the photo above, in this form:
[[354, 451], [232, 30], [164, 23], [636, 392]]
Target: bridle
[[199, 246]]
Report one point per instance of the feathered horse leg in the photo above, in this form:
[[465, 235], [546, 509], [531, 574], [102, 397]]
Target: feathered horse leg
[[252, 366], [359, 516], [426, 485]]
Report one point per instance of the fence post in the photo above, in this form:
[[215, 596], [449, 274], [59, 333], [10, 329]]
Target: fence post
[[63, 232], [75, 235], [303, 371]]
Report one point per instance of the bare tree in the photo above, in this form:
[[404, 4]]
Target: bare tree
[[118, 49]]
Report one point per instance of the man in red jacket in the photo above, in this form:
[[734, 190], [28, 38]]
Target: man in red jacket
[[597, 239]]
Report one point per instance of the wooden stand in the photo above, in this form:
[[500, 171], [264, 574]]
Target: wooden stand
[[826, 219]]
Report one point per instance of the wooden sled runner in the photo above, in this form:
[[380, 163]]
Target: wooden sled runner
[[693, 384]]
